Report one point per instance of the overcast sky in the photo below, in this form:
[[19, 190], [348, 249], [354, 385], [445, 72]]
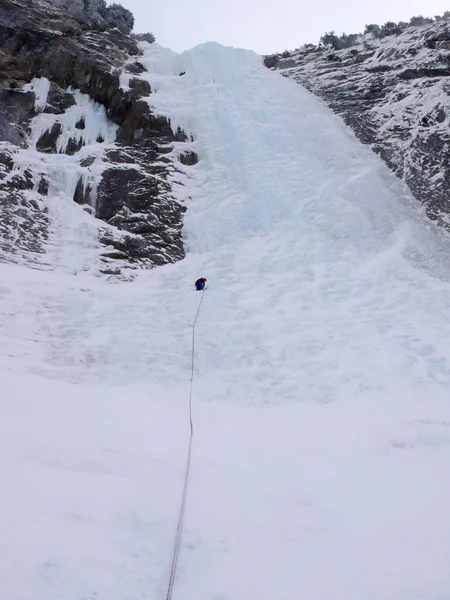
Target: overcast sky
[[266, 26]]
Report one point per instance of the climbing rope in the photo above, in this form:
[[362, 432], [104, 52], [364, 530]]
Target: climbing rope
[[176, 550]]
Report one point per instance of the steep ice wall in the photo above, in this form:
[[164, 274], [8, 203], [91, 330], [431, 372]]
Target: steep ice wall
[[323, 343], [241, 117]]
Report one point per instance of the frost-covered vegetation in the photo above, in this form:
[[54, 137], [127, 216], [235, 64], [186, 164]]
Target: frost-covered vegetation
[[97, 12], [144, 37], [338, 42]]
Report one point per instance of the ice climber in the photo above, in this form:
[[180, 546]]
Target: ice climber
[[200, 284]]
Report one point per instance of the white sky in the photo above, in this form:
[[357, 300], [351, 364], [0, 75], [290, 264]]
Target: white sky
[[266, 25]]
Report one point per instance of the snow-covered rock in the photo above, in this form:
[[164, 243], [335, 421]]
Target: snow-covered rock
[[76, 129], [394, 94]]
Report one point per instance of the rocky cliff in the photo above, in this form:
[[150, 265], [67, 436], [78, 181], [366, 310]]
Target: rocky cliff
[[75, 128], [394, 93]]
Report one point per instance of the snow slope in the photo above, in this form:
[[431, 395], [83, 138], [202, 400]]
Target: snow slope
[[322, 420]]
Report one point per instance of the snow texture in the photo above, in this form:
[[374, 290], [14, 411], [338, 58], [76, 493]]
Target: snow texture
[[322, 421]]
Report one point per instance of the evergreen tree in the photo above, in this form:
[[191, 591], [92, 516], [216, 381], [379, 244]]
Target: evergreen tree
[[390, 28], [144, 37], [374, 30], [419, 20], [331, 39]]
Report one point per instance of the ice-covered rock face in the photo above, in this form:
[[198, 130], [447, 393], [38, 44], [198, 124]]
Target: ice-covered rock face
[[79, 143], [394, 93]]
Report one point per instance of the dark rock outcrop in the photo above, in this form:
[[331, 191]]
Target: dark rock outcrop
[[40, 42], [24, 219], [394, 93]]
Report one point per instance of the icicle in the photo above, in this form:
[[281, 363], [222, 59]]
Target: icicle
[[40, 86], [83, 132]]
